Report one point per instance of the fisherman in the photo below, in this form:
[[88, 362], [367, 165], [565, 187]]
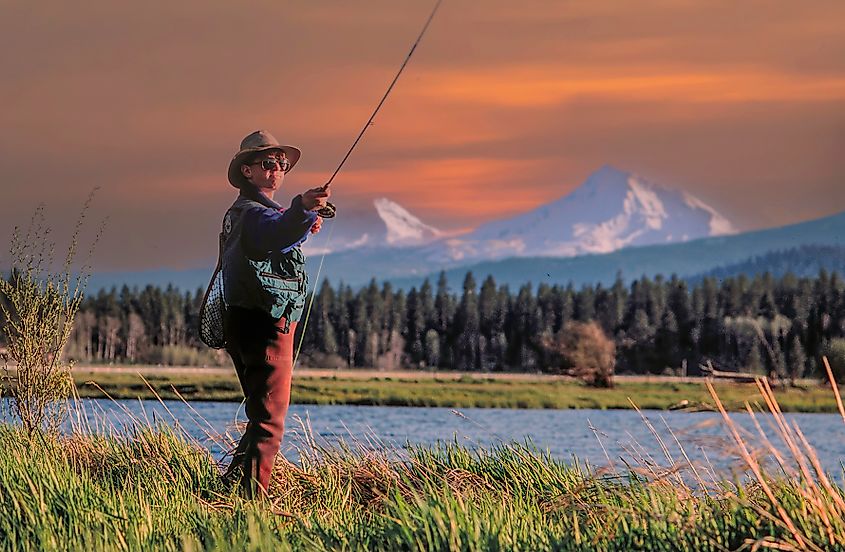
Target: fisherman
[[264, 282]]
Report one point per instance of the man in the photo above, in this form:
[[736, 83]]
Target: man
[[264, 282]]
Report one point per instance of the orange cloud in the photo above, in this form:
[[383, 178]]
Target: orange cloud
[[474, 187], [548, 85]]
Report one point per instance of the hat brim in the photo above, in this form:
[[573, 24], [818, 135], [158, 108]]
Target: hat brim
[[236, 177]]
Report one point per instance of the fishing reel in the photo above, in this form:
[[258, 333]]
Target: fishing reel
[[327, 212]]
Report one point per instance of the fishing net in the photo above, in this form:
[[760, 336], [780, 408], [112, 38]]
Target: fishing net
[[213, 309]]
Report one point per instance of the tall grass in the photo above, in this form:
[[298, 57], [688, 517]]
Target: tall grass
[[151, 487]]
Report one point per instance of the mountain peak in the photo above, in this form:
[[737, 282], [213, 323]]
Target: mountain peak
[[612, 209], [608, 173], [403, 228], [606, 180], [648, 197]]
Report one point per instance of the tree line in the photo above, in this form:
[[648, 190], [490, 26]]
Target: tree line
[[761, 324], [804, 260], [659, 325]]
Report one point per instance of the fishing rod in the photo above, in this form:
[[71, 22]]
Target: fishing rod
[[329, 210]]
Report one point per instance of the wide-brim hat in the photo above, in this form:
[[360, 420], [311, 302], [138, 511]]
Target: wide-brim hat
[[258, 141]]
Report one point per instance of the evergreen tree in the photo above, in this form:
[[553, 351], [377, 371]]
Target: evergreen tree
[[322, 330], [521, 323], [359, 331], [432, 348], [415, 328], [585, 306], [426, 304], [444, 313], [491, 321], [466, 327]]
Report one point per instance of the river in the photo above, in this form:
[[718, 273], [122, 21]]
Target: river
[[597, 438]]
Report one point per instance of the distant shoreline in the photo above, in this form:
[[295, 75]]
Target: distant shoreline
[[443, 389], [368, 373]]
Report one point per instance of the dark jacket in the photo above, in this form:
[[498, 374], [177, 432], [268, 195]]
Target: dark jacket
[[263, 265]]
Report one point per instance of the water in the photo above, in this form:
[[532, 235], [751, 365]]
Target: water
[[618, 437]]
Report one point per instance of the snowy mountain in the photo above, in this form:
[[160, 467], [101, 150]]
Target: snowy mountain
[[403, 228], [611, 210], [688, 260], [386, 224]]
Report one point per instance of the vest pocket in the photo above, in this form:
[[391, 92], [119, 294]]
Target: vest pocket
[[276, 277], [285, 296]]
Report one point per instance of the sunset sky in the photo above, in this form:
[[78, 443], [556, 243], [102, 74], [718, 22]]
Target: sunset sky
[[505, 106]]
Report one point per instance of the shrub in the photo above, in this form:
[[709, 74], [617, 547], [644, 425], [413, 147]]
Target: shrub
[[834, 350], [582, 350], [39, 304]]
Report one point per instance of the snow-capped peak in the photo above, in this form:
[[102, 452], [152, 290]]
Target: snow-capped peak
[[650, 205], [612, 209], [719, 225], [403, 228]]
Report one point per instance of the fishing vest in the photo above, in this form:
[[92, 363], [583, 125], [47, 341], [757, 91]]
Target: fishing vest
[[275, 284]]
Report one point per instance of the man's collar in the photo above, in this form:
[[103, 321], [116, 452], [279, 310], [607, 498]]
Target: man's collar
[[250, 191]]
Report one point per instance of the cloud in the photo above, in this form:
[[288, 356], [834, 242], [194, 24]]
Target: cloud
[[547, 86]]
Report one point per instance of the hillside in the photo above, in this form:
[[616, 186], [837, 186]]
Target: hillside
[[684, 259]]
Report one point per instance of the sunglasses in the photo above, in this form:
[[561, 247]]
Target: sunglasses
[[271, 164]]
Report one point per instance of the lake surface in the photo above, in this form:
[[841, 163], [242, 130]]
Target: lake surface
[[598, 438]]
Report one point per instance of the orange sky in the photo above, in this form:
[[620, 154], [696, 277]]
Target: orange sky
[[505, 106]]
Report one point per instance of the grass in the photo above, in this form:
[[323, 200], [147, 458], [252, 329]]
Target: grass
[[465, 392], [155, 489]]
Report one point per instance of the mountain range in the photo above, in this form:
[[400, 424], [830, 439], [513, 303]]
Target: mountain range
[[687, 260], [615, 222], [610, 210]]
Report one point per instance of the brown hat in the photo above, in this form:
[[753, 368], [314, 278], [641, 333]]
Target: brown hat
[[258, 141]]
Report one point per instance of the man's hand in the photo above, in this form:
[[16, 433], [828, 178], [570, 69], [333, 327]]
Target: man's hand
[[315, 199], [317, 225]]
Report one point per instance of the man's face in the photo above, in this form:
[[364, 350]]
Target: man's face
[[265, 170]]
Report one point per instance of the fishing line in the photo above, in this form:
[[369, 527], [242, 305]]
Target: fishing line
[[329, 210], [311, 300]]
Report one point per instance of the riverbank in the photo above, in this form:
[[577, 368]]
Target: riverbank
[[153, 488], [445, 389]]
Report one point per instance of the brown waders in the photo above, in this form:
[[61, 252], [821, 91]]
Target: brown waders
[[263, 357]]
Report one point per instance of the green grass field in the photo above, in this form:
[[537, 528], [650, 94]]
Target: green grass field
[[463, 392], [156, 490]]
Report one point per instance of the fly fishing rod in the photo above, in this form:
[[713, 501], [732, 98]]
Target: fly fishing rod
[[329, 210]]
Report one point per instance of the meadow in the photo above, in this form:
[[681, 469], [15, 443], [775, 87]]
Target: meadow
[[461, 391]]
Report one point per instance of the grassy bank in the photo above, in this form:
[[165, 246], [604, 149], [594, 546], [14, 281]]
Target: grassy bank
[[156, 490], [464, 392]]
